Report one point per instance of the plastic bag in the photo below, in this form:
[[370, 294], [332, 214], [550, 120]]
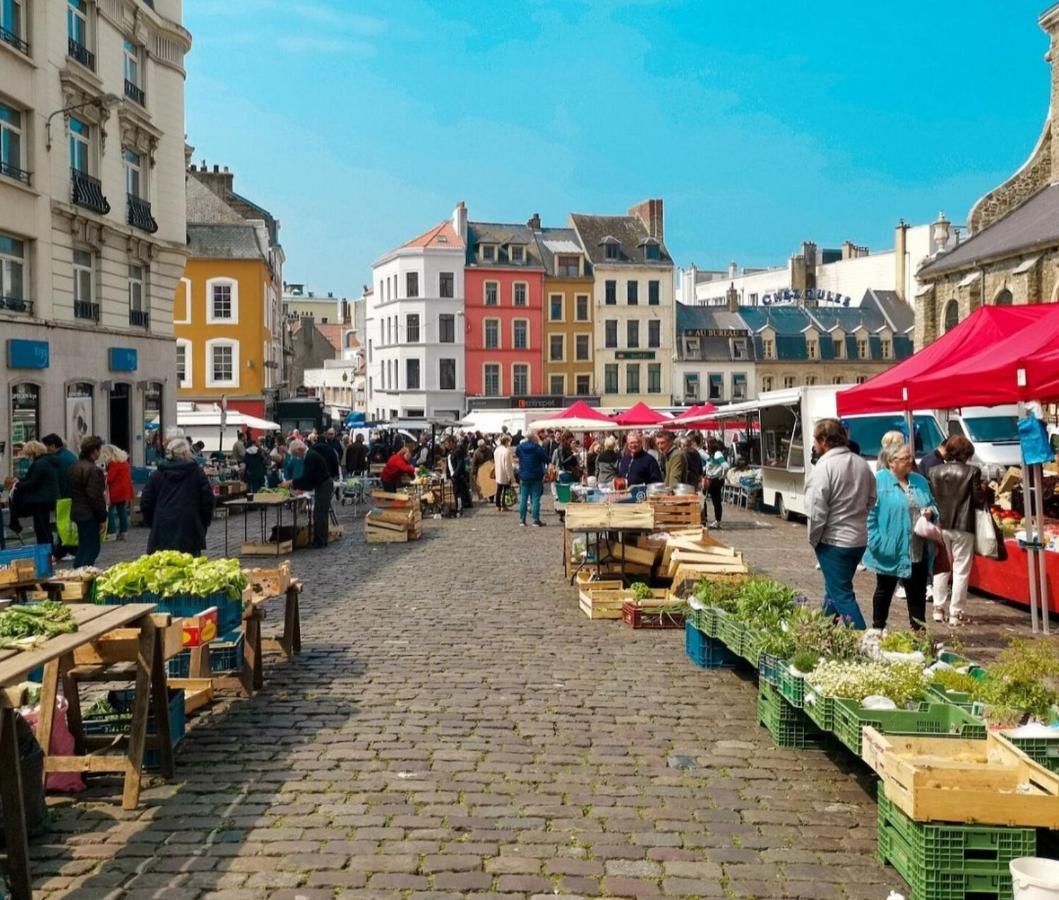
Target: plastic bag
[[62, 744], [877, 701], [1033, 438], [64, 525], [927, 530]]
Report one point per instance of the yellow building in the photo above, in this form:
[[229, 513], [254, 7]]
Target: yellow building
[[568, 344], [226, 316]]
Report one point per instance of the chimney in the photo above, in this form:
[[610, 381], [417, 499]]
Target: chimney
[[218, 182], [731, 297], [459, 221], [901, 258], [733, 269], [1049, 21], [534, 222], [651, 214]]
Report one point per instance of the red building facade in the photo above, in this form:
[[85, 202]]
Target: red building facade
[[504, 312]]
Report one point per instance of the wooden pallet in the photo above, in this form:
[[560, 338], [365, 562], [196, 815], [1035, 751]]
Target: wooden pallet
[[256, 548], [676, 512]]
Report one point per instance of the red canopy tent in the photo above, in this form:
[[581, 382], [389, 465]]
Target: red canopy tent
[[640, 415], [696, 415], [895, 389], [579, 416]]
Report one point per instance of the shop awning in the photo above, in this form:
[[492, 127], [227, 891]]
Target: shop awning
[[703, 414], [897, 387], [578, 416]]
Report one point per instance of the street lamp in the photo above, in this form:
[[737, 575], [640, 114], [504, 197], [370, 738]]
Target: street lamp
[[106, 101]]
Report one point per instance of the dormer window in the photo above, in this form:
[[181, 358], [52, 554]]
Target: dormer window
[[862, 348], [518, 254], [691, 346], [840, 348], [651, 251], [611, 251], [739, 350], [768, 347], [611, 247], [810, 347], [887, 349], [488, 252], [568, 266]]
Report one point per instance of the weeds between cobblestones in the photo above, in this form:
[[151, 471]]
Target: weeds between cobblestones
[[456, 727]]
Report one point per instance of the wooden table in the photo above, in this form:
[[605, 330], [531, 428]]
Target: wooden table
[[57, 657], [265, 547]]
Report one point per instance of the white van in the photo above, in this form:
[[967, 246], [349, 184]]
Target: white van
[[785, 416], [994, 432]]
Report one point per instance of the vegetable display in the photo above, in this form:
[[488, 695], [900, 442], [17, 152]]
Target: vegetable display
[[641, 591], [1025, 677], [169, 573], [22, 627]]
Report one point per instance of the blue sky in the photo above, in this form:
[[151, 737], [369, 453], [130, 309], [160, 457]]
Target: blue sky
[[360, 124]]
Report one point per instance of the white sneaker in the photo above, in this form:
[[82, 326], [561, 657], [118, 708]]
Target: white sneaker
[[715, 524], [899, 593], [939, 614]]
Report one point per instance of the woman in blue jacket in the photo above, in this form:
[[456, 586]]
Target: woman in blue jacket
[[895, 552]]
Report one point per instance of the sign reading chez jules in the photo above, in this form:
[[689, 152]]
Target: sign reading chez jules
[[794, 295]]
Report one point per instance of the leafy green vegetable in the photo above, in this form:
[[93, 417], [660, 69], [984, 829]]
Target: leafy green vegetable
[[823, 636], [960, 682], [21, 624], [719, 593], [898, 642], [641, 591], [169, 573], [763, 603], [1024, 677]]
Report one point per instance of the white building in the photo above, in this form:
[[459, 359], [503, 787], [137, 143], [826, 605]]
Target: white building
[[300, 302], [837, 277], [414, 330], [340, 383], [92, 217]]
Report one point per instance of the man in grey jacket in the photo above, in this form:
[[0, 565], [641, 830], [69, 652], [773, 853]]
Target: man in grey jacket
[[839, 496]]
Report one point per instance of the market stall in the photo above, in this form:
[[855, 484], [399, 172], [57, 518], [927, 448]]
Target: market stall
[[282, 539]]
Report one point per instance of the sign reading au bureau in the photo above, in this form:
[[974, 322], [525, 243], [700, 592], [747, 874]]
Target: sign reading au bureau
[[24, 354], [123, 359], [635, 354]]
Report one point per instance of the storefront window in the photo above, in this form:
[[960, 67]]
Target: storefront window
[[153, 425], [25, 423], [80, 411]]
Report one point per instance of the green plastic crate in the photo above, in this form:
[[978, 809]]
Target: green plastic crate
[[819, 708], [955, 698], [933, 719], [943, 847], [710, 617], [1041, 750], [769, 668], [788, 726], [730, 632], [751, 643], [792, 687]]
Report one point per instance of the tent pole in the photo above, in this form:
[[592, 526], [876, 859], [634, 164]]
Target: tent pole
[[1042, 567], [1029, 498]]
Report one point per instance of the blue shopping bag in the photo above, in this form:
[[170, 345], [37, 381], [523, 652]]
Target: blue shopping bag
[[1033, 437]]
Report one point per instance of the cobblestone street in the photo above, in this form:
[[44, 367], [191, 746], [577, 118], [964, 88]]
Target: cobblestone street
[[456, 727]]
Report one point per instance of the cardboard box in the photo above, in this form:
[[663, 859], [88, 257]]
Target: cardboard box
[[199, 629]]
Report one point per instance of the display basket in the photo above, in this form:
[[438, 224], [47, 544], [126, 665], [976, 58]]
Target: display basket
[[929, 720], [229, 611], [788, 726], [706, 652]]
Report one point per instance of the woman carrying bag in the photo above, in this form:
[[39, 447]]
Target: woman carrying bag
[[896, 550], [957, 490]]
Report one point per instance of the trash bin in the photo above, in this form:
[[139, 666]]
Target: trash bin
[[1033, 878], [31, 768]]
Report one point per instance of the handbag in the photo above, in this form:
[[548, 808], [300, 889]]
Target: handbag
[[927, 530], [64, 525], [1033, 439], [986, 540], [942, 560]]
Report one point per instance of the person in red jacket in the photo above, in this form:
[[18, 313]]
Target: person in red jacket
[[395, 467], [119, 489]]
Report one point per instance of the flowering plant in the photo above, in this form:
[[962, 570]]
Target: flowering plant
[[902, 682]]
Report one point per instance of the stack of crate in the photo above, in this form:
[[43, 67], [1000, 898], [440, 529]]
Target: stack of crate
[[393, 519]]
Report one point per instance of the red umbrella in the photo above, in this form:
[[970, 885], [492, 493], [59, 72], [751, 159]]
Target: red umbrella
[[641, 415], [697, 415]]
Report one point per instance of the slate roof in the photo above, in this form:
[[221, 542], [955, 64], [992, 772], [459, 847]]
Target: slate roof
[[1033, 224], [711, 348], [502, 235], [225, 242], [205, 207], [628, 231], [552, 242]]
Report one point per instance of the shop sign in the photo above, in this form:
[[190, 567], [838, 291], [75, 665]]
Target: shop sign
[[537, 402], [123, 359], [635, 354], [794, 295], [23, 354], [715, 332]]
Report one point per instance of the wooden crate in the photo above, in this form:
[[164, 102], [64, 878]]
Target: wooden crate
[[256, 548], [676, 512], [607, 516], [588, 586], [632, 553], [198, 692], [605, 604], [270, 582], [988, 782], [385, 500]]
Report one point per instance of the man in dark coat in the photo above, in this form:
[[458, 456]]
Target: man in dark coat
[[356, 461], [177, 502], [88, 501], [61, 457], [316, 477], [637, 466]]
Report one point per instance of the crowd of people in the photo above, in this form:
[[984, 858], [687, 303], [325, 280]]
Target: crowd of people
[[912, 526]]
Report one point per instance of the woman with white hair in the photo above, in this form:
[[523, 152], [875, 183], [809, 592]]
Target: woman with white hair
[[177, 502], [119, 489]]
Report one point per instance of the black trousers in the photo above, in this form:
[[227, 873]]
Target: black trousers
[[714, 491], [499, 496], [915, 592], [322, 512]]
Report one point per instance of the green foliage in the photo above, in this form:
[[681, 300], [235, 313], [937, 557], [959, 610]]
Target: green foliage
[[719, 593], [641, 591], [22, 624], [168, 573], [898, 642], [960, 682], [763, 603], [902, 682], [821, 635], [804, 661], [1024, 677]]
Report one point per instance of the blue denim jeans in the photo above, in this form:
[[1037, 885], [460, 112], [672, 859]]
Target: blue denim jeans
[[528, 490], [87, 544], [118, 518], [839, 565]]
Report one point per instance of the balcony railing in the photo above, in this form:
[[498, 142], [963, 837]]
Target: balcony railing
[[139, 317], [9, 37], [16, 304], [14, 172], [78, 51], [88, 192], [84, 309], [134, 93], [140, 214]]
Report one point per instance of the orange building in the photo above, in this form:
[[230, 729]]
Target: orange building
[[227, 316], [568, 343]]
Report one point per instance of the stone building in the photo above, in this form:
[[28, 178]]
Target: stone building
[[1011, 254], [92, 218]]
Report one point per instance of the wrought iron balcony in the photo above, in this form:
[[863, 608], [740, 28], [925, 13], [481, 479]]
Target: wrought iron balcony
[[9, 37], [133, 92], [139, 317], [14, 172], [78, 51], [140, 214], [88, 192], [16, 304], [83, 309]]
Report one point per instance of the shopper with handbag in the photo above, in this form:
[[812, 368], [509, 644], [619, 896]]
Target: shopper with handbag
[[957, 490], [900, 545]]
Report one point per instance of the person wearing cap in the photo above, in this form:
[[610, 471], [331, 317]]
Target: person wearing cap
[[713, 475]]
